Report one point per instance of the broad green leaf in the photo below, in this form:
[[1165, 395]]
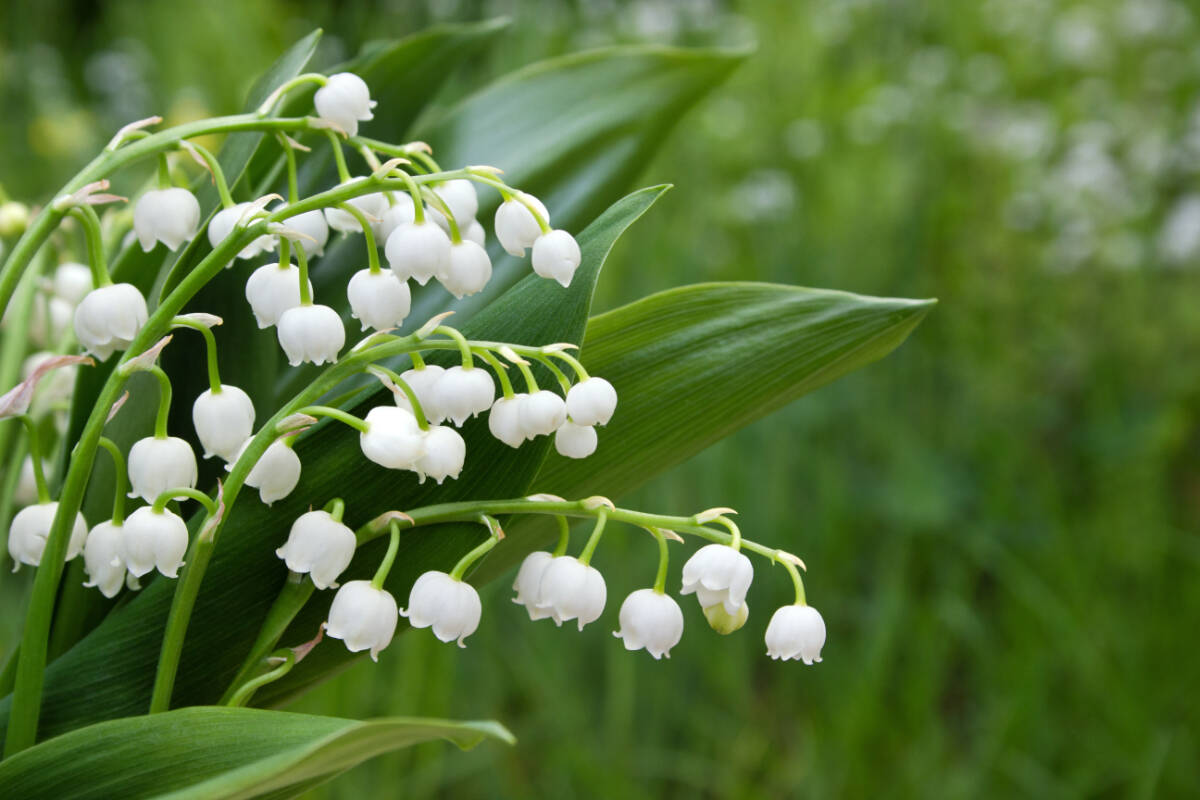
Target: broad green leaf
[[213, 752]]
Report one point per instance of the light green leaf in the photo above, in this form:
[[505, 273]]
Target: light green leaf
[[228, 753]]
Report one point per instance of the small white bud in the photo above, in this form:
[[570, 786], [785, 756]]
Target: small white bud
[[423, 382], [276, 472], [372, 205], [156, 465], [461, 393], [104, 558], [504, 420], [311, 333], [72, 282], [529, 578], [575, 441], [345, 100], [170, 216], [591, 402], [320, 546], [155, 539], [542, 413], [223, 421], [556, 256], [467, 269], [796, 632], [26, 492], [393, 438], [315, 229], [363, 617], [444, 454], [451, 607], [223, 223], [14, 218], [397, 214], [474, 232], [650, 620], [571, 590], [273, 289], [516, 228], [418, 250], [717, 573], [378, 300], [28, 531], [108, 318]]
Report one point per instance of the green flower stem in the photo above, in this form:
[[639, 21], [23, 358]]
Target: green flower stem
[[302, 263], [210, 349], [426, 160], [531, 384], [164, 401], [285, 252], [573, 363], [417, 361], [335, 143], [501, 373], [389, 557], [336, 413], [434, 199], [335, 508], [164, 171], [368, 235], [35, 455], [218, 174], [120, 481], [735, 540], [563, 380], [95, 244], [402, 385], [464, 347], [242, 696], [801, 600], [464, 563], [289, 155], [160, 502], [274, 97], [564, 536], [660, 579], [414, 191], [593, 541]]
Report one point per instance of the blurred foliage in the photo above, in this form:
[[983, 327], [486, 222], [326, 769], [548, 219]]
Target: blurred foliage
[[1001, 519]]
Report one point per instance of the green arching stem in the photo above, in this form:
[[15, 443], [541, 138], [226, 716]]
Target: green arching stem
[[164, 402], [160, 502], [336, 413], [414, 191], [464, 347], [90, 220], [210, 349], [121, 480], [436, 200], [218, 174], [335, 508], [417, 361], [531, 384], [385, 566], [243, 694], [590, 548], [464, 563], [563, 380], [426, 160], [285, 253], [308, 77], [368, 235], [335, 143], [35, 455], [164, 171], [501, 373], [368, 155], [660, 579], [735, 540], [573, 363], [564, 536], [289, 156], [801, 600], [402, 385], [305, 289]]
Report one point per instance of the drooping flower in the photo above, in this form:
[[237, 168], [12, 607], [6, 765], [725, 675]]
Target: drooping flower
[[418, 250], [156, 465], [571, 590], [717, 573], [591, 402], [363, 617], [378, 300], [345, 100], [461, 198], [575, 441], [516, 227], [276, 472], [223, 421], [444, 452], [223, 223], [529, 578], [72, 281], [104, 558], [423, 381], [170, 216], [796, 632], [556, 256], [320, 546], [312, 333], [393, 439], [271, 290], [108, 318], [25, 493], [542, 413], [154, 539], [467, 269], [650, 620], [450, 606], [372, 205], [314, 230], [28, 531], [504, 420], [463, 392]]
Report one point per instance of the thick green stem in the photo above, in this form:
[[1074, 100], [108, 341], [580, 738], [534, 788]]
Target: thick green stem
[[94, 237], [389, 557], [564, 536], [120, 479], [210, 349], [305, 289], [335, 508], [160, 502], [164, 172]]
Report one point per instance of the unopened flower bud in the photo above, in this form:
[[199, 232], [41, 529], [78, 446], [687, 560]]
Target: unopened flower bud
[[393, 439], [108, 318], [718, 574], [725, 623], [516, 227], [529, 578], [72, 282], [363, 617], [418, 250], [650, 620], [155, 539], [378, 300], [26, 492], [223, 224], [444, 452], [467, 270], [311, 333], [423, 383], [504, 420], [223, 421], [345, 100], [28, 531], [104, 558], [156, 465], [796, 632], [276, 472], [450, 606], [556, 256], [542, 413], [170, 216], [591, 402], [571, 590], [273, 289], [320, 546], [575, 441], [463, 392], [14, 218]]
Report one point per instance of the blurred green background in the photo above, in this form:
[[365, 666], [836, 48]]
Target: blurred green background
[[1000, 520]]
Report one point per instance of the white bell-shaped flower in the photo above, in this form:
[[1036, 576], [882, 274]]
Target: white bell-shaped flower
[[320, 546], [444, 452], [717, 573], [28, 531], [451, 607], [461, 198], [372, 205], [424, 383], [529, 578], [516, 227], [474, 232], [591, 402], [276, 472], [314, 230], [463, 392], [104, 558], [108, 318], [504, 420], [363, 617], [170, 216], [393, 439], [398, 213], [556, 256], [49, 319], [156, 465], [575, 441], [72, 281], [223, 223], [796, 632], [26, 492], [155, 539], [311, 333], [467, 270], [273, 289], [223, 421], [378, 300], [542, 413], [345, 101], [650, 620], [571, 590], [418, 250]]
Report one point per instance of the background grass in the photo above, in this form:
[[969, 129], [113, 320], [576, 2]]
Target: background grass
[[1000, 520]]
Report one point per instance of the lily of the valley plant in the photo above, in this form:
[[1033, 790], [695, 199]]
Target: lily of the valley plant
[[339, 259]]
